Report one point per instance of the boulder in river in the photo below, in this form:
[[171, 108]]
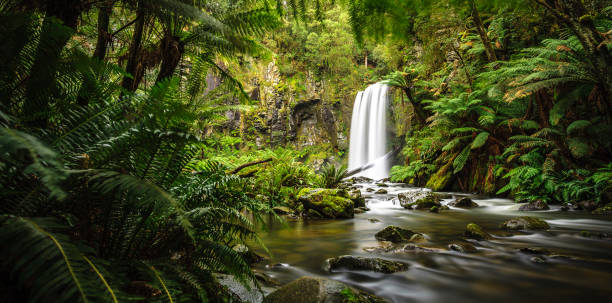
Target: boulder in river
[[588, 205], [394, 234], [364, 263], [381, 191], [358, 200], [464, 202], [328, 203], [519, 223], [463, 248], [475, 232], [423, 200], [534, 206], [319, 290], [361, 210]]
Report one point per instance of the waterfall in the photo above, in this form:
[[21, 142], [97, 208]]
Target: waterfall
[[368, 141]]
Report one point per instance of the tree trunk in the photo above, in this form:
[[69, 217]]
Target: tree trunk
[[482, 33], [104, 37], [54, 37], [131, 84], [172, 50], [419, 111]]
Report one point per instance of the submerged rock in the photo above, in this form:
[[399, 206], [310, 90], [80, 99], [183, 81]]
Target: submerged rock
[[373, 220], [361, 210], [464, 202], [381, 191], [327, 203], [534, 206], [413, 248], [394, 234], [363, 263], [417, 238], [466, 248], [369, 189], [519, 223], [475, 232], [319, 290], [537, 260]]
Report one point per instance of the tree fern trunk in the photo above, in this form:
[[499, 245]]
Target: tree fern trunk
[[172, 49], [131, 84], [482, 33], [104, 37]]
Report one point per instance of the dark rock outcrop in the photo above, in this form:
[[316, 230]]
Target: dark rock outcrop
[[464, 202]]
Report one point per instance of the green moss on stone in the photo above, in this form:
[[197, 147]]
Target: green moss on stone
[[519, 223], [394, 234], [475, 232]]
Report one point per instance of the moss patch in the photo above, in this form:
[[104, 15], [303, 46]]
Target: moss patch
[[394, 234], [475, 232]]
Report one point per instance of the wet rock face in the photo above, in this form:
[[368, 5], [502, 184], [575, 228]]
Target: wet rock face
[[520, 223], [366, 264], [394, 234], [534, 206], [475, 232], [319, 290], [358, 200], [464, 202], [326, 203]]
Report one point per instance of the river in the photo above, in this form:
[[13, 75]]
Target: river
[[578, 267]]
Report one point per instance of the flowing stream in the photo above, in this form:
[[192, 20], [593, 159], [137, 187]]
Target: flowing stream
[[576, 269]]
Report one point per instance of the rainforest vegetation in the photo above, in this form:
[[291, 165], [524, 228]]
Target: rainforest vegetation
[[145, 144]]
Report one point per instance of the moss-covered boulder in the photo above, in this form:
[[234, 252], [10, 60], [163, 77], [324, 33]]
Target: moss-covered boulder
[[381, 191], [519, 223], [394, 234], [604, 210], [328, 203], [319, 290], [475, 232], [464, 202], [364, 264], [427, 202]]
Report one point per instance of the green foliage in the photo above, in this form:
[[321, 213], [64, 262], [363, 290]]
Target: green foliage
[[331, 176]]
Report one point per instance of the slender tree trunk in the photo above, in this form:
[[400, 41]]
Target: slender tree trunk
[[54, 37], [172, 50], [482, 33], [131, 84], [104, 37], [419, 111]]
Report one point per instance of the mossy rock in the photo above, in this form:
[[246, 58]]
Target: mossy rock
[[381, 191], [605, 210], [319, 290], [439, 180], [475, 232], [394, 234], [329, 203], [365, 264], [520, 223], [534, 206], [357, 198], [430, 200]]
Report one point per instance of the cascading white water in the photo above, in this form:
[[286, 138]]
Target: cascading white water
[[368, 142]]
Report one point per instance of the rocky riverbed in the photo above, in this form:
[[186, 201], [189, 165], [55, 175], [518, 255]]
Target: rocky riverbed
[[457, 248]]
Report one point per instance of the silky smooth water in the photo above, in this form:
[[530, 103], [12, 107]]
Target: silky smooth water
[[578, 268], [368, 138]]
